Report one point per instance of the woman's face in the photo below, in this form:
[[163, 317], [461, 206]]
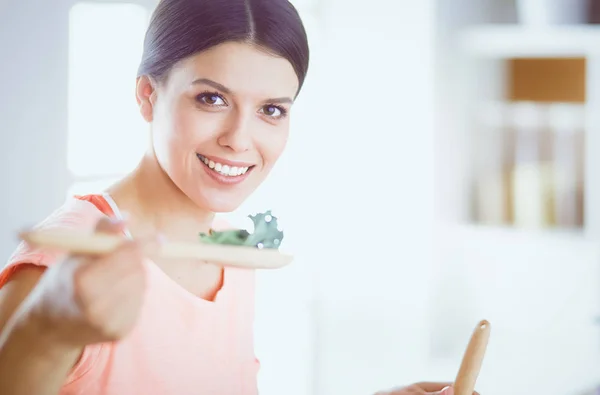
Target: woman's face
[[220, 121]]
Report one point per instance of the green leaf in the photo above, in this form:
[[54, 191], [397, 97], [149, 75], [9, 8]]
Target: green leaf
[[266, 234], [231, 237]]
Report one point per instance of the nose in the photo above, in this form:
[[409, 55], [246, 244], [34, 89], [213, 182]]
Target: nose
[[237, 134]]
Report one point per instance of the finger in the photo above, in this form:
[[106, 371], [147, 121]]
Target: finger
[[444, 391], [432, 387], [109, 225], [448, 390], [423, 388], [132, 252]]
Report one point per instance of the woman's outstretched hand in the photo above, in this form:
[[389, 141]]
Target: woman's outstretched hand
[[85, 299]]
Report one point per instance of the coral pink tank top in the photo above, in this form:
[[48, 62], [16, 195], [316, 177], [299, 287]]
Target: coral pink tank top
[[181, 344]]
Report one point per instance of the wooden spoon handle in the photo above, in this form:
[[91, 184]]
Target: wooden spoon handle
[[472, 360], [97, 244]]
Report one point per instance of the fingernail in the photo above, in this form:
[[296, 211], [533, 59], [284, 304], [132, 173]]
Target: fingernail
[[447, 391], [125, 215]]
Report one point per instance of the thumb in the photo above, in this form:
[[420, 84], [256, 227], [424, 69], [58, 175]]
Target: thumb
[[444, 391]]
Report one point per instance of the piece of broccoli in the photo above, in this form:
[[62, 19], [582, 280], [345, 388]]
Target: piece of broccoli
[[265, 235]]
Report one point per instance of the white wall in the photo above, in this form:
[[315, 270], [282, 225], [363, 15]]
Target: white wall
[[374, 281], [33, 105]]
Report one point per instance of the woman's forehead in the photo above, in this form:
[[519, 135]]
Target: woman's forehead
[[241, 68]]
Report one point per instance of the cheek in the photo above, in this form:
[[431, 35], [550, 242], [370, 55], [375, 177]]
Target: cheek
[[172, 139], [184, 128], [184, 120], [273, 146]]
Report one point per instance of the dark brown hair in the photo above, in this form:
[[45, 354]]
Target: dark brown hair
[[181, 28]]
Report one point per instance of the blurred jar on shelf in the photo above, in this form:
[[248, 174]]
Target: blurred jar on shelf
[[567, 123], [532, 175], [543, 13], [490, 155]]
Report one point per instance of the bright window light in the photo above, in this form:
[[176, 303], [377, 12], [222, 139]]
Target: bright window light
[[106, 132]]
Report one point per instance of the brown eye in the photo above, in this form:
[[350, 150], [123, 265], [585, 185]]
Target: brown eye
[[211, 99], [273, 111]]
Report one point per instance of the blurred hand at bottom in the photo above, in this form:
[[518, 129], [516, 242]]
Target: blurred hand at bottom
[[422, 389]]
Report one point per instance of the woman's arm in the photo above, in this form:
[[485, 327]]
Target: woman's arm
[[31, 361]]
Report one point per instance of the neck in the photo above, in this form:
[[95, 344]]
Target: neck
[[155, 204]]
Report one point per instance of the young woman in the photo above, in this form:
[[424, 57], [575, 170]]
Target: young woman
[[216, 84]]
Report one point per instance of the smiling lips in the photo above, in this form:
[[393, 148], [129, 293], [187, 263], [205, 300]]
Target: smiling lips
[[225, 173]]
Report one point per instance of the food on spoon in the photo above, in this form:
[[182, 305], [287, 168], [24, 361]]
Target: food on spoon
[[266, 234]]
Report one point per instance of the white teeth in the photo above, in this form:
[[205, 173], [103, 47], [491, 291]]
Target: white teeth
[[226, 170]]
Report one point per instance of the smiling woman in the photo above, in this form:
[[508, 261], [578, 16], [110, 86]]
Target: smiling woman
[[219, 106], [215, 86]]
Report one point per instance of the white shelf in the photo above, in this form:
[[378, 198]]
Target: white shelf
[[503, 236], [508, 41]]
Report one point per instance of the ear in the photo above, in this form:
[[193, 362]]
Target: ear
[[145, 95]]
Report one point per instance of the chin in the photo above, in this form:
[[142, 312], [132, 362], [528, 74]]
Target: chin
[[224, 208], [220, 206]]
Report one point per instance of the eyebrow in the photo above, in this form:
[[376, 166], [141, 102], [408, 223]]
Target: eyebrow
[[224, 89]]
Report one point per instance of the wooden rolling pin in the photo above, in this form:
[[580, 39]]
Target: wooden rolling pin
[[472, 360]]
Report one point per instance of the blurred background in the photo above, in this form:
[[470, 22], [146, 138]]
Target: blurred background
[[440, 171]]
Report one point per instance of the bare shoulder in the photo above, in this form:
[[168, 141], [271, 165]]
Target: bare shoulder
[[16, 289], [27, 264]]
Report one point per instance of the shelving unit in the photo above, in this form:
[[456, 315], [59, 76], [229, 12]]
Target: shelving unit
[[515, 277], [492, 55], [514, 41]]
